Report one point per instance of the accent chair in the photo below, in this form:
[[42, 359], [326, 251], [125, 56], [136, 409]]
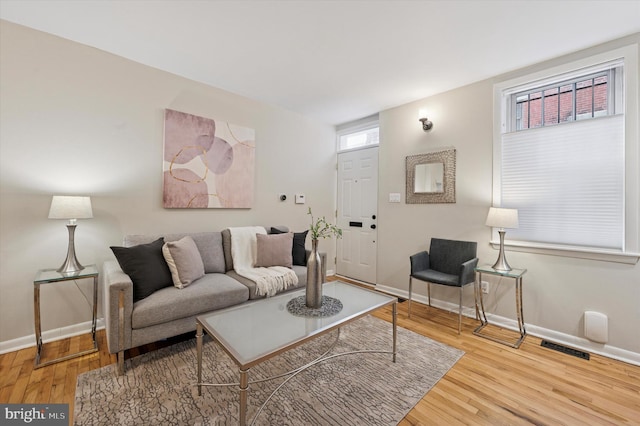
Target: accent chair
[[448, 262]]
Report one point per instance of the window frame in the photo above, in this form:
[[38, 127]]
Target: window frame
[[504, 115], [614, 91], [357, 126]]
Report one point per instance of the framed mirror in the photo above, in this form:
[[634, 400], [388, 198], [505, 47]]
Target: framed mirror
[[431, 177], [428, 178]]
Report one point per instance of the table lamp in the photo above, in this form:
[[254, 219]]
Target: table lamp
[[72, 208], [502, 218]]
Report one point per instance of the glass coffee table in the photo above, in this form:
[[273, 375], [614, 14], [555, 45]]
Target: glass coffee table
[[257, 331]]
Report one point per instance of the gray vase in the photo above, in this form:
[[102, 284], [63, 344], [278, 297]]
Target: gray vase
[[314, 277]]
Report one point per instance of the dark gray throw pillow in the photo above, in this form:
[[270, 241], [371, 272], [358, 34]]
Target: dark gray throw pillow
[[299, 252], [146, 266]]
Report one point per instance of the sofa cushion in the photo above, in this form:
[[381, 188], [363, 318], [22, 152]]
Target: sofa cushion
[[301, 272], [211, 292], [145, 265], [274, 250], [226, 246], [299, 252], [184, 261], [209, 245]]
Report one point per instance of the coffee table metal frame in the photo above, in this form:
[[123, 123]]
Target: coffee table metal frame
[[318, 328]]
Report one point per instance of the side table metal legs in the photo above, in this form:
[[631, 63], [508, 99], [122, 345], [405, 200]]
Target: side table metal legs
[[395, 328], [38, 326], [483, 317], [520, 314]]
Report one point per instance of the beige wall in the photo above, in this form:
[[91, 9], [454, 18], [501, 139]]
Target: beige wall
[[80, 121], [76, 120], [557, 290]]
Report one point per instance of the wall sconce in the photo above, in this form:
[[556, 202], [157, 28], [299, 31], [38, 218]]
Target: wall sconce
[[422, 117]]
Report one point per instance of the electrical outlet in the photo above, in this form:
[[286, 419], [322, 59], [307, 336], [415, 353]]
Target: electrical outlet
[[485, 287]]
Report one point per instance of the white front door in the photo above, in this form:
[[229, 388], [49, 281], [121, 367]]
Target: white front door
[[357, 213]]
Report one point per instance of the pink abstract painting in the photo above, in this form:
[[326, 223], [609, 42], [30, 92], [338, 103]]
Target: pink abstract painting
[[207, 163]]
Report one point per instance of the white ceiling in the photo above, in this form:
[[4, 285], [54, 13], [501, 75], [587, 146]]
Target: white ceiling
[[335, 61]]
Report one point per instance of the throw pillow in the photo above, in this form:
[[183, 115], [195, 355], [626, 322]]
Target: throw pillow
[[299, 251], [146, 266], [184, 261], [210, 247], [274, 250]]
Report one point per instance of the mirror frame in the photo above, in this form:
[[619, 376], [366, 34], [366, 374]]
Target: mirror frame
[[448, 195]]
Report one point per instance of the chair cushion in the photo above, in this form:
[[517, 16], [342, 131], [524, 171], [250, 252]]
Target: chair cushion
[[448, 255], [437, 277], [213, 291]]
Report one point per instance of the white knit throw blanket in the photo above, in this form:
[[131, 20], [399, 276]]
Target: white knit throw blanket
[[269, 281]]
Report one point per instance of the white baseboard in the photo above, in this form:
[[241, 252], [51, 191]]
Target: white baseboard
[[543, 333], [49, 336]]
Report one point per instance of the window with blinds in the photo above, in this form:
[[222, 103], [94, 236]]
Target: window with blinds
[[562, 159]]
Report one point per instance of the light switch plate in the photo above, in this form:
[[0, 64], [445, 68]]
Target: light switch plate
[[394, 197], [299, 198]]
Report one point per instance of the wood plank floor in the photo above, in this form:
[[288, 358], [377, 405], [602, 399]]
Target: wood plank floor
[[491, 385]]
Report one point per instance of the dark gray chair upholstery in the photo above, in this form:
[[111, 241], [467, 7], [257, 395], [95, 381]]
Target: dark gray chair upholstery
[[448, 262]]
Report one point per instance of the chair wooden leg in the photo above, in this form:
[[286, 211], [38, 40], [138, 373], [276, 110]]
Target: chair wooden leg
[[410, 291]]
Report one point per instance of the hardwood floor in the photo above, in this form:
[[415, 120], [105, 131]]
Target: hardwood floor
[[491, 385]]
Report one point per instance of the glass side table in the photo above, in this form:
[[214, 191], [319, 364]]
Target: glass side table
[[516, 274], [49, 276]]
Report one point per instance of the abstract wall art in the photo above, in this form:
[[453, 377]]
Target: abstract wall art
[[207, 163]]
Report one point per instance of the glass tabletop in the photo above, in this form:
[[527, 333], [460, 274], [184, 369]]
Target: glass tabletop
[[51, 275], [513, 273], [255, 331]]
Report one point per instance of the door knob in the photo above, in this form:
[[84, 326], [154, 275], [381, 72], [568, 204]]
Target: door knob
[[373, 226]]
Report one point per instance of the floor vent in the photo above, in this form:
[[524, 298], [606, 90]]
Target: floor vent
[[564, 349]]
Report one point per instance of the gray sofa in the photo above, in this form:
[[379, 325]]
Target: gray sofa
[[171, 311]]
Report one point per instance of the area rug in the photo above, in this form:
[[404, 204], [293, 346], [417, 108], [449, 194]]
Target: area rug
[[358, 389]]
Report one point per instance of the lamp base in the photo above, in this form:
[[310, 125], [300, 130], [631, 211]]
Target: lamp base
[[70, 264], [501, 264]]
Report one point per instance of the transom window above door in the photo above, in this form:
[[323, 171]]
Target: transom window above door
[[364, 133]]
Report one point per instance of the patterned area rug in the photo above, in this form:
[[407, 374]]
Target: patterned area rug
[[359, 389]]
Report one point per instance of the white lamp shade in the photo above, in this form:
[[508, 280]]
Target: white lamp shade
[[502, 218], [70, 207]]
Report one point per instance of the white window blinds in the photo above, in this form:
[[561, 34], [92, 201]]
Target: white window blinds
[[567, 182]]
